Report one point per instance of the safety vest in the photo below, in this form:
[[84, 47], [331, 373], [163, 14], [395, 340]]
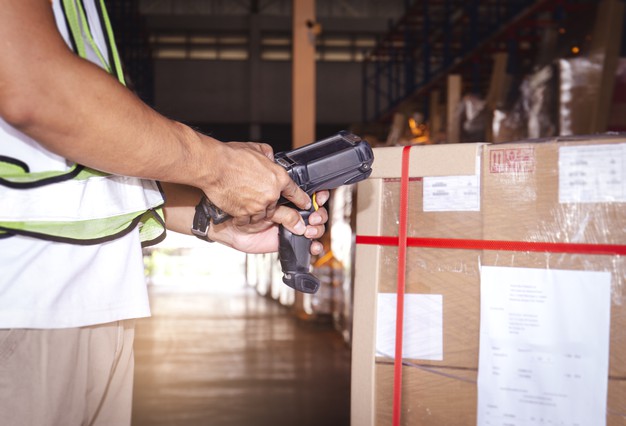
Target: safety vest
[[80, 205]]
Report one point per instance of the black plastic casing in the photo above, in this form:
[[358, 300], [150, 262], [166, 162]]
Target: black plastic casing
[[327, 164]]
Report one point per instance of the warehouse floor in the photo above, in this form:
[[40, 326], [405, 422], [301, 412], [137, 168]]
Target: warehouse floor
[[225, 356]]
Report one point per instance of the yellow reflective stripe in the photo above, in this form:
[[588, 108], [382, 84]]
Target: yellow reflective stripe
[[13, 173], [10, 169], [89, 36], [72, 15], [77, 230], [114, 53], [97, 209], [150, 228], [72, 19]]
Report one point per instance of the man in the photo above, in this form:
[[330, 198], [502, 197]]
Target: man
[[79, 157]]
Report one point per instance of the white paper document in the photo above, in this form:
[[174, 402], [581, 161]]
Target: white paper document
[[592, 174], [544, 347], [422, 333], [451, 193]]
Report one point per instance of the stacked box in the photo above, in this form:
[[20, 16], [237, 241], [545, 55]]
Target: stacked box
[[526, 199], [443, 203], [566, 190], [529, 193], [453, 274]]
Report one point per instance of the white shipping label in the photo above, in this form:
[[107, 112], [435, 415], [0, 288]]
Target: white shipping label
[[592, 174], [544, 347], [422, 334], [452, 194]]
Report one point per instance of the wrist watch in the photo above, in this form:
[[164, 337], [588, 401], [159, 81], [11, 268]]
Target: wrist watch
[[202, 219]]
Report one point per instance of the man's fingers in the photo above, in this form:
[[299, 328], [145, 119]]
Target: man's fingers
[[263, 148], [265, 215], [293, 193], [290, 219], [267, 150], [321, 197], [316, 248], [314, 231], [271, 209], [318, 217]]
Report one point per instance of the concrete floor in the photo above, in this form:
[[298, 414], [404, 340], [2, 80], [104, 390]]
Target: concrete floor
[[229, 357]]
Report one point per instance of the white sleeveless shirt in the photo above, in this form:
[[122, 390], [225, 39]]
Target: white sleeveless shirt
[[45, 284]]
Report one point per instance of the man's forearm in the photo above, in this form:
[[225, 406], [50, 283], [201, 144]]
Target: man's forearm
[[180, 206]]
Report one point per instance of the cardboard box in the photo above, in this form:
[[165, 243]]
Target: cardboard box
[[527, 198], [454, 274], [616, 406], [441, 396], [447, 396], [520, 201], [439, 171]]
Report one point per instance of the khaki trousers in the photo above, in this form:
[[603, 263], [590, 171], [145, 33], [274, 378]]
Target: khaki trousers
[[67, 377]]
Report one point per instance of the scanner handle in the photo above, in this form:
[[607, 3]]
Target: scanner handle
[[295, 259]]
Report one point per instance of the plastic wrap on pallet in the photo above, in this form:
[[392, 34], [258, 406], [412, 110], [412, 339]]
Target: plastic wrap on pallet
[[539, 93], [473, 118], [509, 124], [532, 113], [579, 86], [554, 200]]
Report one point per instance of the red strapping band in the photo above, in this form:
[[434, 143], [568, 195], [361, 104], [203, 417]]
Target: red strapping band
[[402, 245], [455, 243]]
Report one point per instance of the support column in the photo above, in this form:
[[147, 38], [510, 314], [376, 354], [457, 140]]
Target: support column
[[453, 127], [303, 72], [255, 98]]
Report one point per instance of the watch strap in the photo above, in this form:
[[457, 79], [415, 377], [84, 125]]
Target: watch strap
[[202, 219]]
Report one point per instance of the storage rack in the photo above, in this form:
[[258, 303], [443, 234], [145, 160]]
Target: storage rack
[[435, 38]]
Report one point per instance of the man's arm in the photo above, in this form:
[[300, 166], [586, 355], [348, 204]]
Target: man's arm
[[77, 110]]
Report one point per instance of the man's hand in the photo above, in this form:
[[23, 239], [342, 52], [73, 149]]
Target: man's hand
[[245, 182], [262, 236], [258, 237]]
